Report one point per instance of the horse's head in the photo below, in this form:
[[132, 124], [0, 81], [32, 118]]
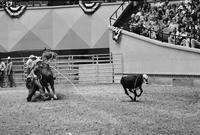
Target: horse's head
[[49, 55], [145, 78], [46, 50]]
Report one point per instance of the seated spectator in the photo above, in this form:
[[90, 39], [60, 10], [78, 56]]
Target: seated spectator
[[145, 27], [155, 28], [182, 36], [134, 24], [181, 20], [171, 38], [173, 24], [187, 18], [195, 42], [133, 16]]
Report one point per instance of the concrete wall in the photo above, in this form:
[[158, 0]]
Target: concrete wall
[[144, 55], [62, 27]]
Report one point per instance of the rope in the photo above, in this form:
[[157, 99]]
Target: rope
[[69, 81], [65, 78]]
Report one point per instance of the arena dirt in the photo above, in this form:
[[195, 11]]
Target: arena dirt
[[102, 110]]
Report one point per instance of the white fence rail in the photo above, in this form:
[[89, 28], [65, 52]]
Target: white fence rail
[[80, 69]]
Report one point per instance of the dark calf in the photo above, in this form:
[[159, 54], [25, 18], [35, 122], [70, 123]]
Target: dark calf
[[133, 83]]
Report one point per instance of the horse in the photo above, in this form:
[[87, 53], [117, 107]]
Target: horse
[[133, 83], [48, 55], [47, 78]]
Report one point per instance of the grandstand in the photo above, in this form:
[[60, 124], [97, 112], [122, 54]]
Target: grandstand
[[155, 56]]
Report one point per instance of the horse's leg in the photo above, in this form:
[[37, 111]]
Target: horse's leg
[[53, 89], [141, 91], [40, 88], [31, 92], [47, 88], [126, 92]]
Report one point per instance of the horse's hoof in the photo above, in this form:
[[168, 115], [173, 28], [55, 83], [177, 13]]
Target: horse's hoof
[[55, 97], [28, 100]]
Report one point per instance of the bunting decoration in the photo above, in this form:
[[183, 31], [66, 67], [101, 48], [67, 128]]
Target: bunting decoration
[[116, 33], [89, 8], [15, 12]]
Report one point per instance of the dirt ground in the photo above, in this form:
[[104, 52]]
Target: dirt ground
[[102, 110]]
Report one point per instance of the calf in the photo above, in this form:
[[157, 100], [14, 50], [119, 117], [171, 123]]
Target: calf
[[133, 83]]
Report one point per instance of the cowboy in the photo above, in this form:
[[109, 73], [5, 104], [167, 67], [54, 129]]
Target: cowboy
[[2, 72], [35, 77], [10, 72], [29, 65], [32, 67]]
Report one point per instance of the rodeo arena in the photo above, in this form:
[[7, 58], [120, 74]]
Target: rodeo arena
[[104, 67]]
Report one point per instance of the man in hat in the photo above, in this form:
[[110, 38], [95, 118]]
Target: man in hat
[[2, 72], [11, 82], [29, 65], [34, 76]]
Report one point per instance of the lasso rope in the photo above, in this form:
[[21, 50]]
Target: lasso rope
[[65, 78]]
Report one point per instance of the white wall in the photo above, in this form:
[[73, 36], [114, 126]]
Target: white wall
[[64, 27], [144, 55]]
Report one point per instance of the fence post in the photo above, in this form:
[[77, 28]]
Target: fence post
[[175, 38], [97, 73], [23, 59], [113, 73], [72, 68], [150, 33]]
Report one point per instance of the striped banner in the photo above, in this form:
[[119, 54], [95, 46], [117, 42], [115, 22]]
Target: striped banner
[[89, 8], [15, 12]]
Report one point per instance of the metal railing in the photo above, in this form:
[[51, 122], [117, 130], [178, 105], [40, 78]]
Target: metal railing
[[79, 69], [115, 15]]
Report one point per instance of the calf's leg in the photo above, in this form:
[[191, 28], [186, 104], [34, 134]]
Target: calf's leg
[[141, 91], [126, 92], [135, 95]]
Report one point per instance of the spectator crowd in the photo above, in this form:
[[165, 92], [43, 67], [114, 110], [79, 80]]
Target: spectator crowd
[[176, 23]]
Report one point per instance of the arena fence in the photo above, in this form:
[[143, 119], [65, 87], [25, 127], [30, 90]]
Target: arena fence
[[79, 69]]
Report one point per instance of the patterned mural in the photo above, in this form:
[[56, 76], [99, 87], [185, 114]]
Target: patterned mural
[[56, 28]]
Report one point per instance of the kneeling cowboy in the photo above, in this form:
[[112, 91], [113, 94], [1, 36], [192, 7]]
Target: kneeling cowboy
[[35, 76]]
